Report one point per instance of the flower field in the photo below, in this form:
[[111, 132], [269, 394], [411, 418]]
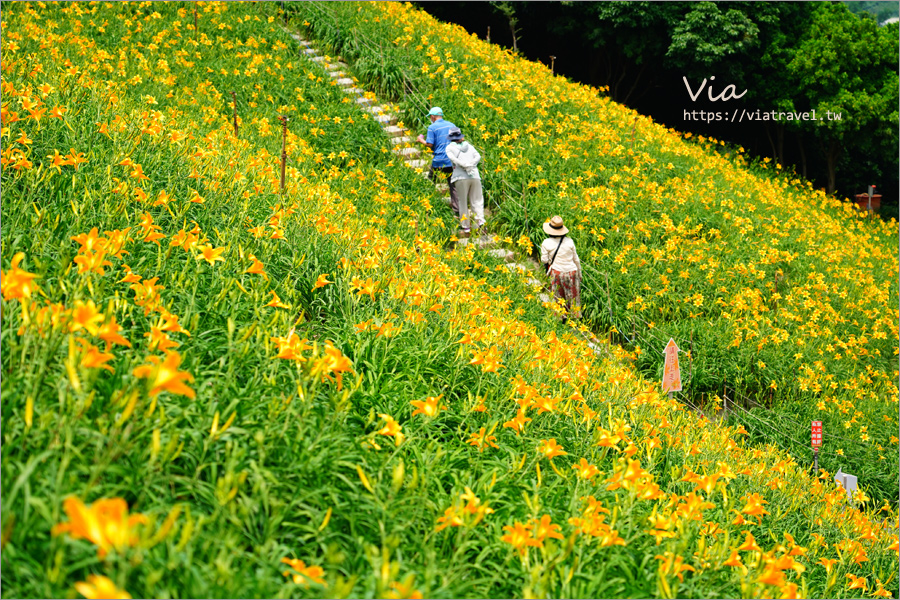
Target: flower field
[[216, 388], [784, 300]]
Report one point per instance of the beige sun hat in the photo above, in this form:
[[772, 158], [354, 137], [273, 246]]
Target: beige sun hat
[[555, 226]]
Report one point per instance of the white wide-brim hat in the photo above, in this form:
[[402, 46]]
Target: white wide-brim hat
[[555, 226]]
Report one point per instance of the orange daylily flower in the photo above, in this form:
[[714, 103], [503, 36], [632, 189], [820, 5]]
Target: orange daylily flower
[[403, 589], [100, 586], [291, 347], [109, 333], [159, 339], [674, 565], [276, 301], [57, 160], [92, 262], [857, 583], [519, 537], [482, 440], [257, 268], [749, 543], [544, 528], [550, 449], [391, 429], [93, 358], [165, 376], [333, 363], [16, 283], [91, 241], [450, 518], [106, 523], [428, 407], [518, 422], [322, 281], [210, 254], [734, 560], [85, 316], [129, 276], [303, 575]]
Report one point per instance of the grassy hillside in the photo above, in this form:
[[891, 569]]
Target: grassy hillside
[[213, 388], [784, 299]]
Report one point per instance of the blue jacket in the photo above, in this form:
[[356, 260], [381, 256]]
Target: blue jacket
[[437, 136]]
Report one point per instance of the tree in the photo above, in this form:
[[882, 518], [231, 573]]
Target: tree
[[623, 43], [710, 40], [508, 10], [845, 69]]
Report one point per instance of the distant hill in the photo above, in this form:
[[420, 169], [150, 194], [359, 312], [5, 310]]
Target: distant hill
[[881, 11]]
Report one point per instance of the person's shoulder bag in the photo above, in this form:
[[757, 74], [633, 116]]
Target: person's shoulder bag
[[550, 264]]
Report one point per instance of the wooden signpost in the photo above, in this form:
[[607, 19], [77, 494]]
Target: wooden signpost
[[672, 373], [816, 442]]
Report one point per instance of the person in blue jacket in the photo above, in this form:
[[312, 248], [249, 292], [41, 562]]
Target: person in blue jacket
[[437, 140]]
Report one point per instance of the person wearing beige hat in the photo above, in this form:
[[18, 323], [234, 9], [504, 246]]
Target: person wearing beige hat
[[559, 256]]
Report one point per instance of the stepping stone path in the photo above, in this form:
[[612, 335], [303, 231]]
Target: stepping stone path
[[402, 140]]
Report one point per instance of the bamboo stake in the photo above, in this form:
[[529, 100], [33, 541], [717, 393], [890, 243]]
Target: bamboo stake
[[234, 100], [283, 120]]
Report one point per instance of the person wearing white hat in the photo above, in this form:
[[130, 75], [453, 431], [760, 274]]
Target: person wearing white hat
[[466, 179], [559, 256], [436, 139]]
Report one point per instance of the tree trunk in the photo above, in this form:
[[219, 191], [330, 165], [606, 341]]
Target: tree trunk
[[831, 158], [779, 135], [771, 141], [802, 156], [634, 85]]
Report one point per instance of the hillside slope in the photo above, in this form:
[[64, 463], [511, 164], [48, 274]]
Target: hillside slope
[[213, 388], [784, 299]]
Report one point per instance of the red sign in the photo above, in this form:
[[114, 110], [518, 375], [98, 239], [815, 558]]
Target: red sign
[[816, 434], [672, 373]]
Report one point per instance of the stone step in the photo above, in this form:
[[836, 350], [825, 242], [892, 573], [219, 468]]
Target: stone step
[[403, 139], [394, 131], [484, 241], [410, 152], [503, 254], [533, 281], [418, 164], [543, 297], [344, 81], [353, 90], [363, 101], [376, 109], [310, 51], [442, 187], [519, 267], [386, 119], [336, 73], [318, 59]]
